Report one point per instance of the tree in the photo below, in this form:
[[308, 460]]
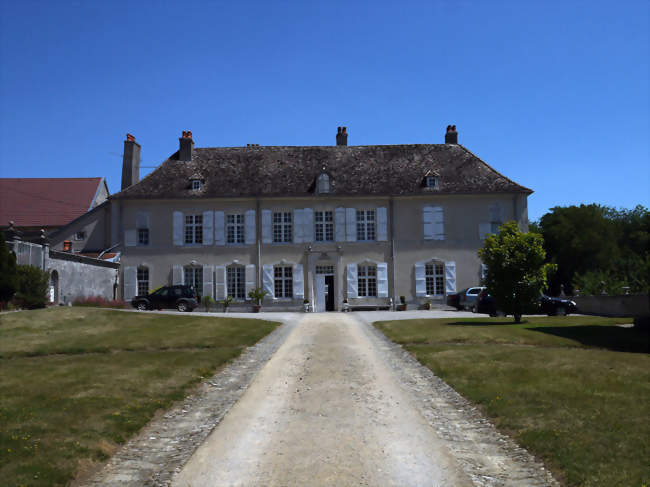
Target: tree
[[8, 276], [516, 273], [32, 287]]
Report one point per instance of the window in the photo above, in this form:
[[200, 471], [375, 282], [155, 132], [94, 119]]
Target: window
[[236, 281], [282, 227], [435, 279], [194, 278], [324, 221], [143, 236], [323, 185], [325, 269], [431, 182], [283, 281], [80, 236], [235, 229], [143, 281], [197, 184], [193, 229], [366, 225], [367, 280]]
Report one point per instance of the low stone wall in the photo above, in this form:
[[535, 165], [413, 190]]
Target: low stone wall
[[635, 305]]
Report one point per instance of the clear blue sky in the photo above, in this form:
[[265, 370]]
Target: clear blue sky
[[553, 94]]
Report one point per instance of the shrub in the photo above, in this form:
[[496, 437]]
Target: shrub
[[32, 286], [206, 301], [99, 302]]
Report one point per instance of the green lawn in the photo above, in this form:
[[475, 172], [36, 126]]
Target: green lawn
[[77, 382], [575, 391]]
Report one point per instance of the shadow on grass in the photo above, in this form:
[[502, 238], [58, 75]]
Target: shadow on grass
[[485, 323], [609, 337]]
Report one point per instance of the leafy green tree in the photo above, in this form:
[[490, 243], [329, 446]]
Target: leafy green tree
[[33, 284], [8, 276], [516, 273]]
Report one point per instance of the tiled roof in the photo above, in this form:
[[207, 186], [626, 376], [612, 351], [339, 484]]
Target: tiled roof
[[292, 171], [45, 202]]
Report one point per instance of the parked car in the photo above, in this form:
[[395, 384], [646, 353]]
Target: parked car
[[547, 304], [453, 300], [468, 298], [181, 297]]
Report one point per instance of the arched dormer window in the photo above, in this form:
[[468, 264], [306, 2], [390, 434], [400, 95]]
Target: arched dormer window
[[323, 184]]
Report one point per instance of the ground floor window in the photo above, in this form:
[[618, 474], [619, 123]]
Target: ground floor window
[[435, 279], [143, 281], [283, 281], [194, 278], [367, 281], [236, 281]]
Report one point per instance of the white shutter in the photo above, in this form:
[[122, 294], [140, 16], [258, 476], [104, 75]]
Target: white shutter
[[178, 228], [351, 224], [208, 280], [420, 280], [219, 228], [438, 223], [129, 238], [340, 224], [382, 224], [177, 275], [382, 280], [484, 230], [427, 222], [450, 277], [297, 226], [268, 280], [352, 281], [483, 271], [298, 282], [249, 232], [130, 282], [208, 232], [266, 226], [220, 281], [142, 219], [250, 278], [308, 225]]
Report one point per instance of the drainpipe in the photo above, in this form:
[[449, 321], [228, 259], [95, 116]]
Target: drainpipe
[[391, 206]]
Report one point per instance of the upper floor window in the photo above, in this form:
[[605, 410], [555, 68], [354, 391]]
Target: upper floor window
[[431, 182], [194, 278], [193, 229], [323, 183], [143, 236], [366, 227], [236, 281], [367, 281], [235, 229], [197, 184], [435, 278], [283, 281], [143, 281], [282, 227], [324, 226]]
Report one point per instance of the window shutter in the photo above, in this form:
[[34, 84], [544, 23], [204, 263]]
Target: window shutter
[[142, 219], [438, 223], [177, 275], [352, 281], [129, 238], [382, 224], [208, 280], [450, 277], [351, 225], [298, 282], [178, 228], [427, 220], [420, 280], [130, 282], [483, 271], [266, 226], [340, 224], [268, 280], [249, 232], [484, 230], [250, 278], [219, 228], [382, 280], [208, 231], [298, 226], [308, 225], [220, 281]]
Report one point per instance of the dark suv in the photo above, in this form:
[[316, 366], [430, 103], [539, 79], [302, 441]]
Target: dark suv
[[183, 298]]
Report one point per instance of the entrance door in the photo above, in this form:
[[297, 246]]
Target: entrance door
[[329, 290], [319, 301]]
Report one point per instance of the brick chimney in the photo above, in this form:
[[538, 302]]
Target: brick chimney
[[342, 136], [451, 137], [130, 162], [186, 146]]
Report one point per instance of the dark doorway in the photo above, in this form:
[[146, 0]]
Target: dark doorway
[[329, 296]]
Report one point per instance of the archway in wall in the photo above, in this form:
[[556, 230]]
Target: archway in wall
[[54, 287]]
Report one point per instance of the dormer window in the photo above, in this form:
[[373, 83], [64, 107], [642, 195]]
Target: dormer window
[[197, 184], [431, 182], [323, 183]]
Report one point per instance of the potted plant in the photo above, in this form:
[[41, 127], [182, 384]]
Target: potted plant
[[226, 303], [426, 305], [206, 301], [402, 304], [305, 305], [346, 306], [257, 295]]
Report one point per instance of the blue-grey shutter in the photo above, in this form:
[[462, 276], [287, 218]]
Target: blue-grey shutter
[[177, 275], [427, 222], [268, 280], [267, 236], [208, 280], [129, 238], [420, 280], [130, 282], [438, 223], [352, 281], [219, 228], [298, 282], [351, 224], [250, 278], [178, 227], [450, 277], [249, 234], [220, 281], [382, 224], [484, 230], [382, 280], [298, 229], [308, 225], [208, 228], [340, 224]]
